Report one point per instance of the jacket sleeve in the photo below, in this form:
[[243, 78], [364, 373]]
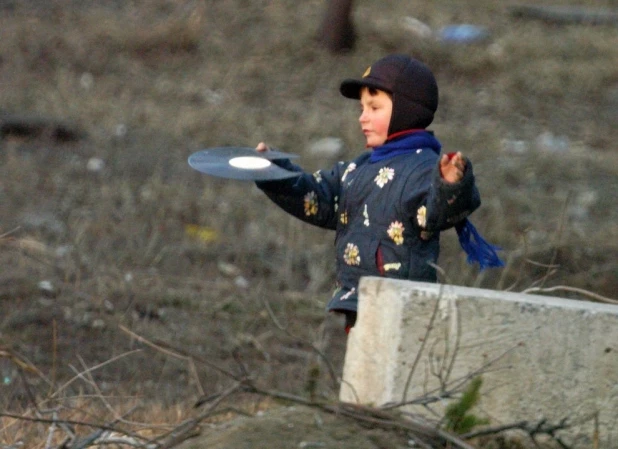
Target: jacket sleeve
[[449, 203], [436, 205], [313, 198]]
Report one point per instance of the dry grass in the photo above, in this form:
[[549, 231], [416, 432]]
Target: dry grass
[[152, 245]]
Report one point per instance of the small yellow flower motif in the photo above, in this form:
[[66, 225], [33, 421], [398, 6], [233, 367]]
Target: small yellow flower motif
[[384, 175], [395, 232], [366, 215], [311, 204], [344, 218], [318, 176], [351, 255], [421, 216], [350, 168], [392, 266]]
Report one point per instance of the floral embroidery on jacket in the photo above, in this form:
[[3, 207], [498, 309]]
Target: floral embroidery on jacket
[[395, 232], [336, 206], [350, 168], [311, 204], [344, 218], [366, 215], [421, 216], [318, 176], [392, 266], [351, 255], [347, 295], [384, 175]]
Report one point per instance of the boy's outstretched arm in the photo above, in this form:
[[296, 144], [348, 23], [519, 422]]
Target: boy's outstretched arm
[[310, 197], [453, 194]]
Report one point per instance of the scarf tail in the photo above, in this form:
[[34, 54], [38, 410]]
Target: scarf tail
[[475, 246]]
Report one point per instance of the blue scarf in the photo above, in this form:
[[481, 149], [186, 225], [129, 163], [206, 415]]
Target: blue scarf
[[406, 143], [475, 246]]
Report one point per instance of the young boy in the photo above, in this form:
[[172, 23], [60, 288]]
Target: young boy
[[388, 205]]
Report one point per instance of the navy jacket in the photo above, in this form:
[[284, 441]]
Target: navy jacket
[[387, 215]]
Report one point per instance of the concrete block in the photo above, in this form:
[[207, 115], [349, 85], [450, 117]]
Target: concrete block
[[540, 357]]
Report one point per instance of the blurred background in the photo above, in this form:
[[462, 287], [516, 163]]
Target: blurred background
[[105, 228]]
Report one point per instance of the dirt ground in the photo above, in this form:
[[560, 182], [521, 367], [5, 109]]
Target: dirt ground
[[297, 427], [131, 285]]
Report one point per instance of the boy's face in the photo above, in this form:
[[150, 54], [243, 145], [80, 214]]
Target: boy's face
[[375, 118]]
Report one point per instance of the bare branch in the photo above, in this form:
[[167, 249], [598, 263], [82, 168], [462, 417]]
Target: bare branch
[[558, 237], [167, 349], [95, 367], [423, 342], [68, 422], [331, 370], [533, 429], [189, 428], [565, 288]]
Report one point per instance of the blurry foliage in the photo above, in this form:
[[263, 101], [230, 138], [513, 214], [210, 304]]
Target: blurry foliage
[[458, 416]]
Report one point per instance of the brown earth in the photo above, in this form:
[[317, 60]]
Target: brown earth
[[130, 280]]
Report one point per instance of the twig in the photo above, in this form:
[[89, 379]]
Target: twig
[[176, 353], [494, 430], [453, 387], [558, 237], [28, 390], [520, 272], [95, 367], [571, 289], [100, 433], [8, 233], [331, 370], [442, 271], [67, 421], [112, 438], [533, 429], [423, 342], [451, 365], [50, 435], [189, 428], [566, 14], [96, 388], [272, 316], [87, 441], [54, 355]]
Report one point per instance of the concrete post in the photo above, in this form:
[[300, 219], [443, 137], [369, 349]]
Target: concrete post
[[540, 357]]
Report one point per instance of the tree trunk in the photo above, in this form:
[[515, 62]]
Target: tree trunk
[[337, 31]]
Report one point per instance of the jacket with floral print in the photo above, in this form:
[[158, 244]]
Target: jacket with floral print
[[387, 215]]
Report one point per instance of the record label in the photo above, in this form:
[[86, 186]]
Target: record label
[[249, 162]]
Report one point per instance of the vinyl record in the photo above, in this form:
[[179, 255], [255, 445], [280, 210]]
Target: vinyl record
[[242, 163]]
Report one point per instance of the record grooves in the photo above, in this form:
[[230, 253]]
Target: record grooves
[[242, 163]]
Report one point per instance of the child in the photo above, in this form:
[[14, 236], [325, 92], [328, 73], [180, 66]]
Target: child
[[388, 205]]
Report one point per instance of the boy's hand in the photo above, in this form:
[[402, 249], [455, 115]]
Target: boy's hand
[[262, 147], [452, 167]]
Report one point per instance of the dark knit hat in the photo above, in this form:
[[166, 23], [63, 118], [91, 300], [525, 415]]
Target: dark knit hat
[[412, 85]]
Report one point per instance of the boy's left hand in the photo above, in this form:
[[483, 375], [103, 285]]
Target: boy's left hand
[[452, 167]]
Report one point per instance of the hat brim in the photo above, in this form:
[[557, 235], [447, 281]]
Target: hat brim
[[351, 88]]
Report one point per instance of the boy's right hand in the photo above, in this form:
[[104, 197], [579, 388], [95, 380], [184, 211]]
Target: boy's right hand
[[261, 147]]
